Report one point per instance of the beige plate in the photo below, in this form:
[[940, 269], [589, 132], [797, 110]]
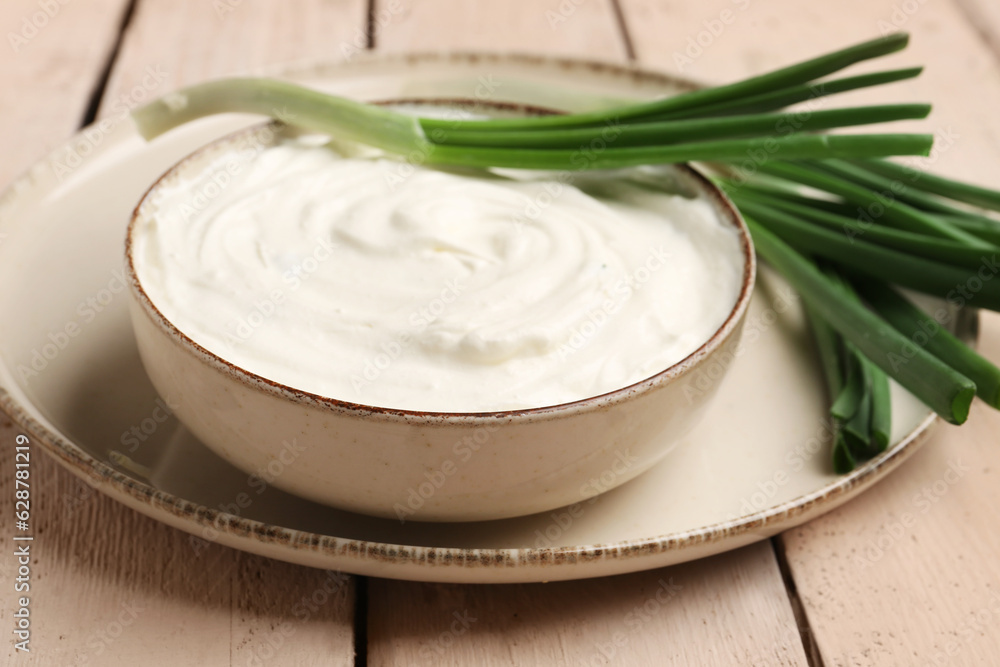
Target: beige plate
[[71, 376]]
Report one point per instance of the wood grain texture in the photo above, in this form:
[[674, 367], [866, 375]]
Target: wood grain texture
[[907, 574], [50, 65], [984, 17], [285, 614], [579, 28], [50, 62], [726, 610], [186, 41], [109, 586], [113, 586]]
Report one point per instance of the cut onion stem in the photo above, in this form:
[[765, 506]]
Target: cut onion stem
[[942, 388], [926, 331], [303, 107]]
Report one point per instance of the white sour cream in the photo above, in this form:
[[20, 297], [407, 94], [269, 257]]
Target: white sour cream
[[372, 281]]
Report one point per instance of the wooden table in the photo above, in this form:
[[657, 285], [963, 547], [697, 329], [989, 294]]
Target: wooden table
[[904, 575]]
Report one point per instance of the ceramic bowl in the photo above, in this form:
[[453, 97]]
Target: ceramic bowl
[[429, 466]]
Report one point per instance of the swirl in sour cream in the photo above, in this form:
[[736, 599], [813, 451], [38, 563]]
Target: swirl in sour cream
[[444, 291]]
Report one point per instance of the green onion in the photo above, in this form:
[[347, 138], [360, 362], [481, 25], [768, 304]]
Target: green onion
[[857, 428], [941, 250], [829, 348], [860, 172], [943, 389], [946, 187], [794, 146], [928, 276], [889, 211], [854, 392], [784, 97], [924, 330], [983, 227], [881, 421], [402, 134], [671, 132], [843, 461], [765, 83]]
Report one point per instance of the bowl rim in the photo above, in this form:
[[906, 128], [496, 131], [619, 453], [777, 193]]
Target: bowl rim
[[721, 204]]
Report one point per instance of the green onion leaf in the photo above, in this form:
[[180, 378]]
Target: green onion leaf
[[673, 132], [943, 389], [925, 331], [937, 249], [882, 208], [796, 146], [786, 76], [946, 187], [783, 97]]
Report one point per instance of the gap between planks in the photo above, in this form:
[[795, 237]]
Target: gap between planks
[[619, 14], [101, 85], [806, 635]]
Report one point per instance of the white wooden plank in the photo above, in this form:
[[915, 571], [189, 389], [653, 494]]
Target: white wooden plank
[[897, 576], [726, 610], [546, 26], [52, 57]]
